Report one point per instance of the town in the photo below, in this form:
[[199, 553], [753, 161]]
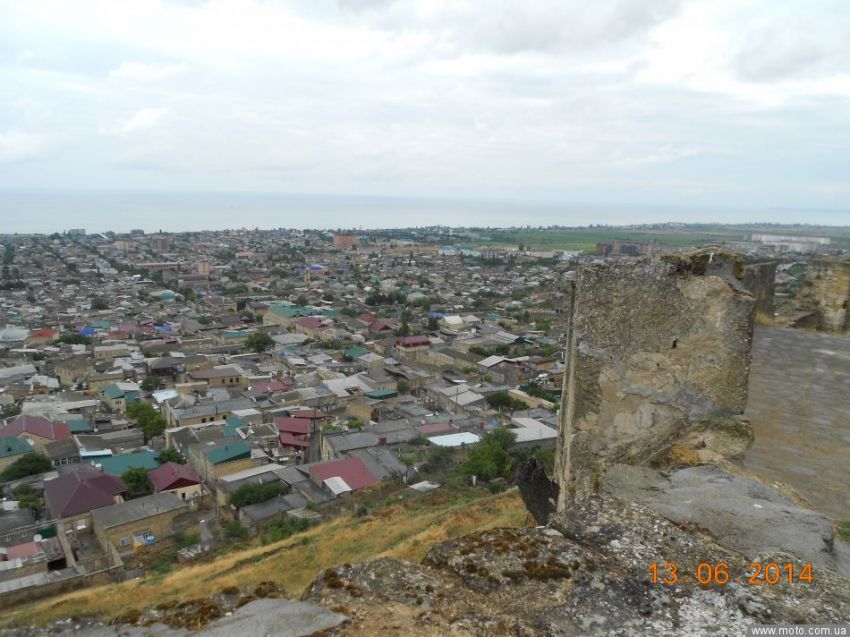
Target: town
[[164, 394]]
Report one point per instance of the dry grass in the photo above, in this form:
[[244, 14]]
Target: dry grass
[[763, 318], [402, 530]]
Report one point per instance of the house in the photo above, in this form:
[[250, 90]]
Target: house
[[72, 370], [179, 479], [74, 495], [277, 508], [41, 337], [63, 452], [118, 465], [312, 326], [214, 460], [36, 431], [294, 432], [408, 344], [342, 476], [224, 376], [11, 449], [130, 525], [117, 396]]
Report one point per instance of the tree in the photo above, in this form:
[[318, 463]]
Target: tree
[[29, 464], [149, 421], [403, 386], [489, 458], [137, 481], [99, 303], [150, 383], [28, 498], [251, 493], [503, 400], [170, 455], [74, 339], [259, 342]]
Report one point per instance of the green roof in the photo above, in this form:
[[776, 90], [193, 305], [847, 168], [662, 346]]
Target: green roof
[[331, 313], [231, 451], [117, 465], [101, 325], [354, 352], [233, 423], [113, 391], [80, 426], [11, 446], [235, 334], [289, 311], [381, 394]]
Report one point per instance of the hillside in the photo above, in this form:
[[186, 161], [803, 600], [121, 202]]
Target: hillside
[[404, 531]]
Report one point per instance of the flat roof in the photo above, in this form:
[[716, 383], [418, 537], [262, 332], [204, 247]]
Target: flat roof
[[138, 509], [455, 440]]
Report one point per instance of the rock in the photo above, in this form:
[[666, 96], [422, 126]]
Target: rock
[[744, 515], [590, 577]]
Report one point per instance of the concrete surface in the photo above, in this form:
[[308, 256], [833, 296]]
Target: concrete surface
[[799, 405]]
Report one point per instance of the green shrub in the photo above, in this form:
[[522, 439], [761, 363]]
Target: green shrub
[[233, 530]]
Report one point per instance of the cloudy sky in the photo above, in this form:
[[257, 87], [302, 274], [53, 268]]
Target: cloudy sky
[[732, 103]]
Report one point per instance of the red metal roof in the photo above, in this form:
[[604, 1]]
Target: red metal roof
[[37, 427], [311, 323], [173, 476], [27, 549], [297, 426], [413, 341], [288, 440], [81, 491], [352, 470], [435, 428]]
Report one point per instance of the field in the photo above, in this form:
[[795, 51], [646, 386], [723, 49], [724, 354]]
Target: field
[[560, 238], [404, 530]]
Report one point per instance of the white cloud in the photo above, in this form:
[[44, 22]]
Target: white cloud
[[18, 146], [554, 98], [143, 119], [139, 71]]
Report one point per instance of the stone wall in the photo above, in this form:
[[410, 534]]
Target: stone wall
[[760, 281], [827, 291], [654, 345]]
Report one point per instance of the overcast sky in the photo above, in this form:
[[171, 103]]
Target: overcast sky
[[735, 103]]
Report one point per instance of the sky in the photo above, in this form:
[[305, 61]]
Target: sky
[[734, 104]]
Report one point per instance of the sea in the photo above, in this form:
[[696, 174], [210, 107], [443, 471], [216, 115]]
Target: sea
[[25, 212]]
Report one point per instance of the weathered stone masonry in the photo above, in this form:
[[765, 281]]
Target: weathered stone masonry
[[655, 346]]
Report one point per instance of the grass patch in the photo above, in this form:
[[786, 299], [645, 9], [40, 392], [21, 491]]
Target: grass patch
[[404, 530]]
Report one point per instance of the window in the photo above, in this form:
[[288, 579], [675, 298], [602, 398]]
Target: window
[[125, 541]]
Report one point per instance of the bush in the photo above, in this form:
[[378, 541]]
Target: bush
[[249, 494], [187, 539], [503, 400], [282, 529], [170, 455], [437, 460], [235, 531]]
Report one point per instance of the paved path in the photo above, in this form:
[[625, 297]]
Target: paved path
[[799, 404]]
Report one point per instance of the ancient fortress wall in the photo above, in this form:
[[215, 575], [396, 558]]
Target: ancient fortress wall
[[654, 346]]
